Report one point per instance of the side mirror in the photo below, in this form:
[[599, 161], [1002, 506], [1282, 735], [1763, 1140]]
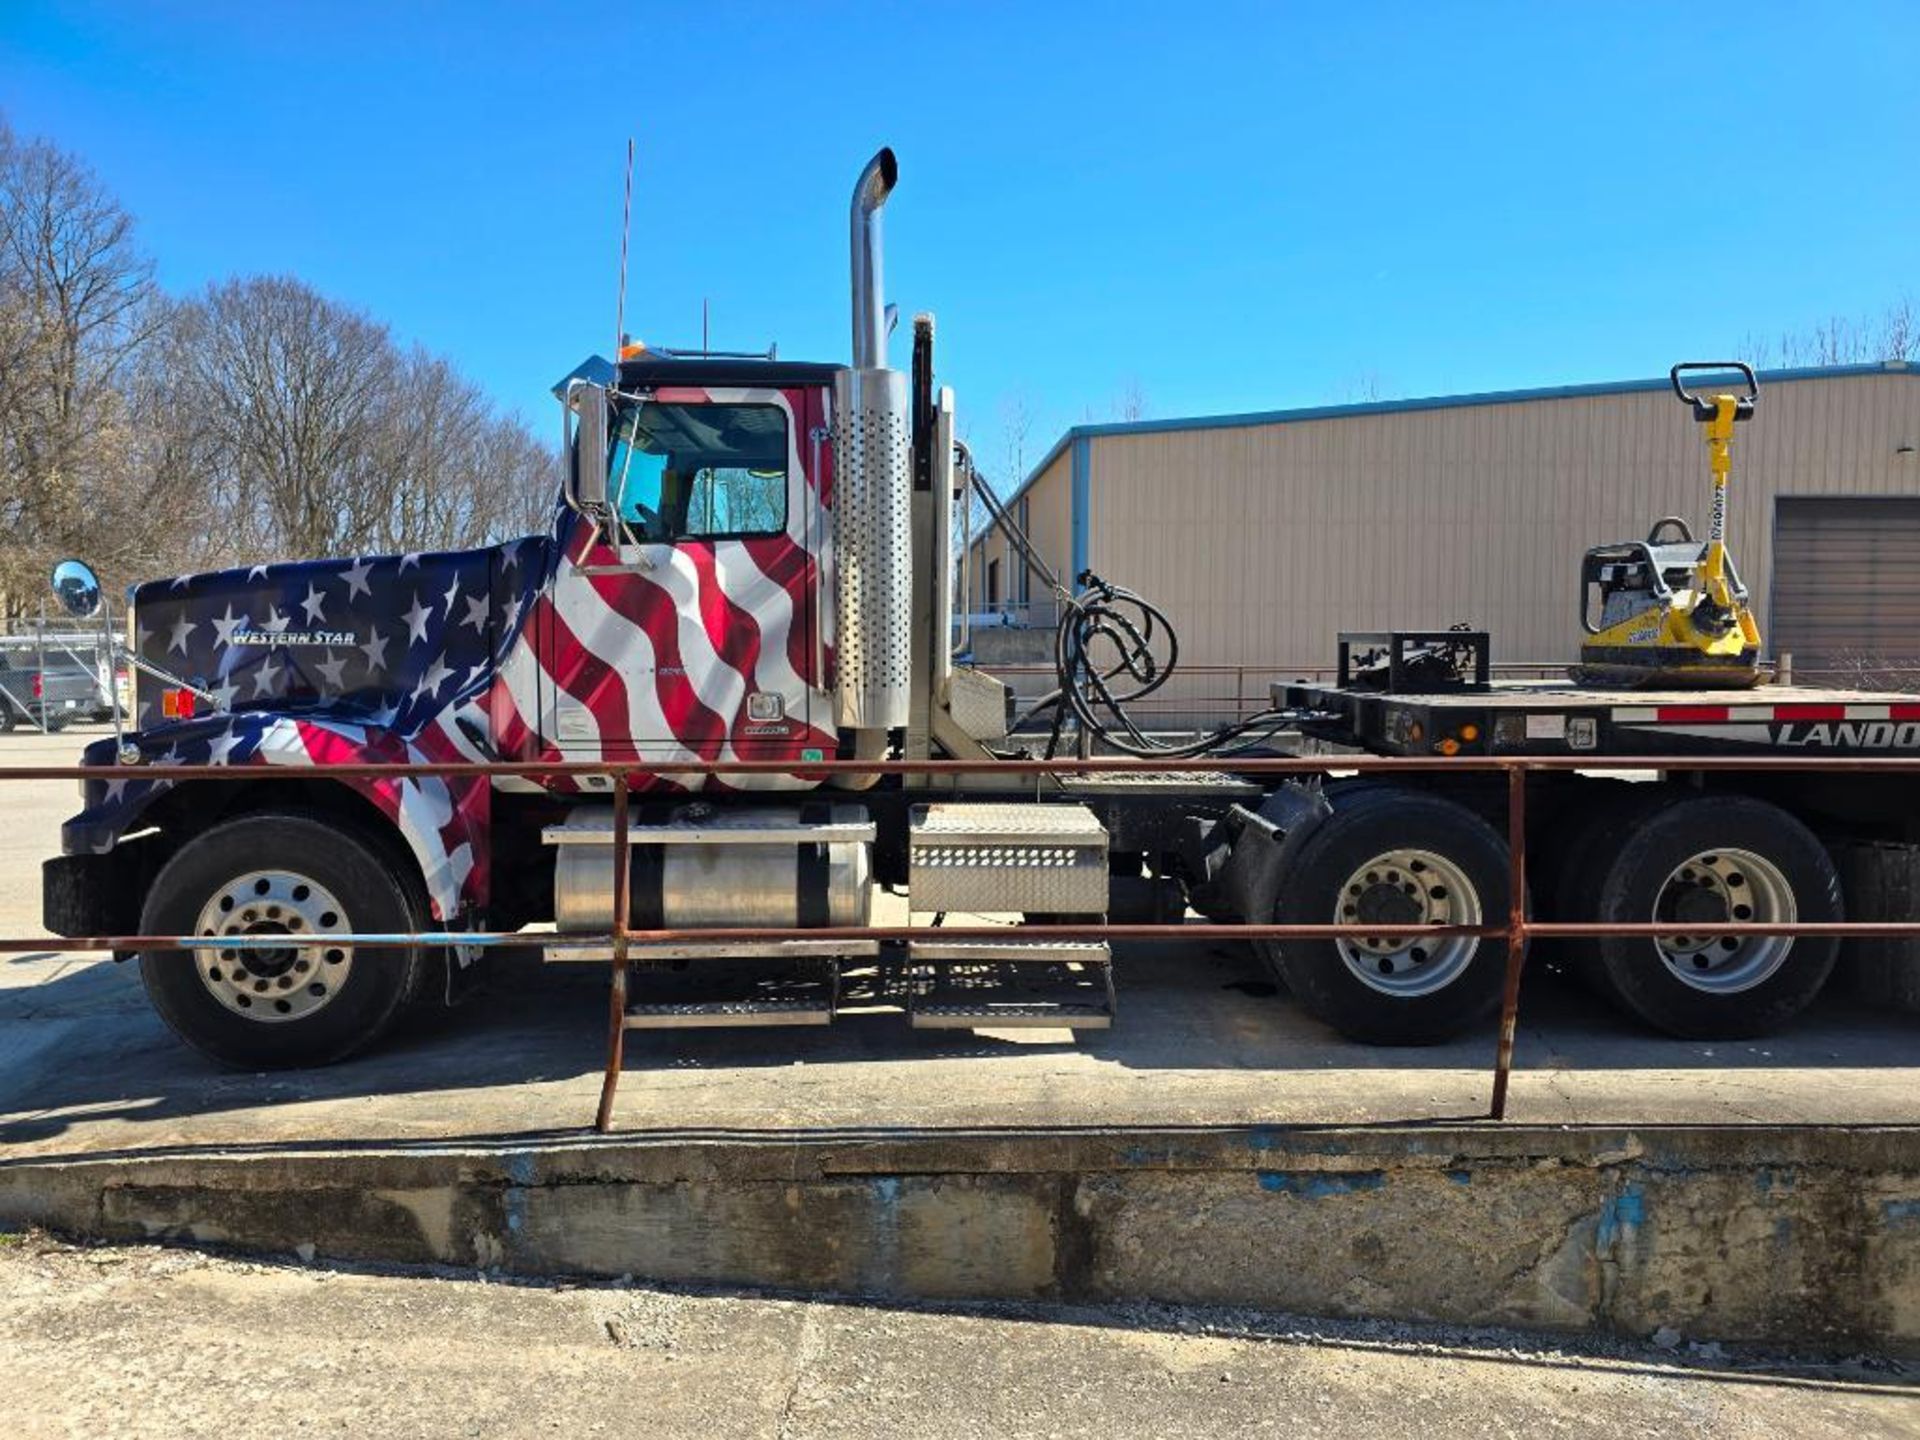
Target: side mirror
[[77, 588], [587, 479]]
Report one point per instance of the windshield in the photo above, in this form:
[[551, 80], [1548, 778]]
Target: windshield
[[681, 471]]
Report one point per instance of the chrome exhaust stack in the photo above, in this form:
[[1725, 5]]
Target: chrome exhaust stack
[[873, 491], [870, 193]]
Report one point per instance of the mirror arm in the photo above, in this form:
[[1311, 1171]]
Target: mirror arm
[[140, 663]]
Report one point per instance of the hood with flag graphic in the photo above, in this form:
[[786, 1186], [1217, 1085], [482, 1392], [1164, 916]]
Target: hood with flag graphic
[[384, 660], [389, 641]]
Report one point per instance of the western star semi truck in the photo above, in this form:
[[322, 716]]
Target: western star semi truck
[[752, 560]]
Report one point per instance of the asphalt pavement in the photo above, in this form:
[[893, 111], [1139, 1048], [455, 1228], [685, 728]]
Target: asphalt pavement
[[105, 1342]]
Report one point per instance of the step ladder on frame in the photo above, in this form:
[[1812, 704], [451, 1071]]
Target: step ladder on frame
[[963, 858]]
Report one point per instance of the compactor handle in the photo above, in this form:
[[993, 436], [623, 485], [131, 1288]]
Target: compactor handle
[[1703, 406]]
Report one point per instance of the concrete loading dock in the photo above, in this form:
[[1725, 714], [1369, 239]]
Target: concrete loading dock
[[1230, 1151]]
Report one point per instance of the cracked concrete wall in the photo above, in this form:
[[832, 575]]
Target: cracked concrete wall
[[941, 1235], [1791, 1235], [1821, 1257]]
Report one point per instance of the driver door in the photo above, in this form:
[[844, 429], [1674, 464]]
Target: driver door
[[690, 628]]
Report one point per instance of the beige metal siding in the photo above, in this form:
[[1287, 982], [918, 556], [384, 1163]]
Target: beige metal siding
[[1846, 585], [1049, 501], [1262, 541], [1050, 520]]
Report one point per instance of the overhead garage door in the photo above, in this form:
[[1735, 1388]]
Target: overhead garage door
[[1846, 588]]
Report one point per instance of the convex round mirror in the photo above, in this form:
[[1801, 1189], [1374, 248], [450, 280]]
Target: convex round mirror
[[77, 588]]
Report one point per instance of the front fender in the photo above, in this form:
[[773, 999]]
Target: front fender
[[442, 820]]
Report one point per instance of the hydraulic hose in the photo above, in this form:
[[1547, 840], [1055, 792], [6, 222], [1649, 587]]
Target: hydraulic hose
[[1114, 648]]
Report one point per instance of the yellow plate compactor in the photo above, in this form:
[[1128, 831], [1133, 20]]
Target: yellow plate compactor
[[1672, 610]]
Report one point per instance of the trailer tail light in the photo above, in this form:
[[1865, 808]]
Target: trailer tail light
[[176, 704]]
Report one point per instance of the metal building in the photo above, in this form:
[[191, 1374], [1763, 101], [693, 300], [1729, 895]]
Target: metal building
[[1264, 534]]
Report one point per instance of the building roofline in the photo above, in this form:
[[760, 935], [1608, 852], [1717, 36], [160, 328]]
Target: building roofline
[[1251, 418]]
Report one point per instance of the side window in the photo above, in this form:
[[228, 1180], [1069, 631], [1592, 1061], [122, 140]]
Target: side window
[[681, 471]]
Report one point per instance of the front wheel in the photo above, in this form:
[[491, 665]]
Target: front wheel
[[1396, 858], [310, 1001]]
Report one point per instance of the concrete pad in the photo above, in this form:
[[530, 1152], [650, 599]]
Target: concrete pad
[[1201, 1039]]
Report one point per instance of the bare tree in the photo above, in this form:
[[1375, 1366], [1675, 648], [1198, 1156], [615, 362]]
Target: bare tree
[[257, 419], [291, 387], [1132, 401], [77, 302], [1899, 336], [1364, 388], [1894, 334], [321, 437], [1016, 430]]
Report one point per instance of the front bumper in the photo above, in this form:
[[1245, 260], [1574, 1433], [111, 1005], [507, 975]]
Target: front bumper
[[98, 894]]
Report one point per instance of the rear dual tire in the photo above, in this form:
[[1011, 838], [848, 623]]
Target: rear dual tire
[[1397, 857], [1679, 856]]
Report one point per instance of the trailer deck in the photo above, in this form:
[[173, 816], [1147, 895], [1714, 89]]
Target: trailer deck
[[1558, 717]]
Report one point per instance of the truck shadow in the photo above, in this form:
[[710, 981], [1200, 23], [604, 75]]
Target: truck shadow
[[80, 1049]]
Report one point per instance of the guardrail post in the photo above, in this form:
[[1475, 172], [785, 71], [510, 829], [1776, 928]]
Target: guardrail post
[[1516, 933], [617, 992]]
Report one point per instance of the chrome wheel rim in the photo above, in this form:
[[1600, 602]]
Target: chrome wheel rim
[[1407, 887], [282, 983], [1716, 886]]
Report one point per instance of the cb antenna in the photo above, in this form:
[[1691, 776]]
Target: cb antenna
[[626, 226]]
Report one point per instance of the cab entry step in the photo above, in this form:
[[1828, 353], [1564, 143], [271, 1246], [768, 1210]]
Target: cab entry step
[[1003, 984], [1033, 859], [712, 995]]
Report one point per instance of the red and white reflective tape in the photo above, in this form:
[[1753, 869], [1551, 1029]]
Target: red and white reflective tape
[[1766, 714]]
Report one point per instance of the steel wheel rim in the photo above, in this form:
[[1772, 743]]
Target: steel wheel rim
[[282, 984], [1407, 887], [1724, 884]]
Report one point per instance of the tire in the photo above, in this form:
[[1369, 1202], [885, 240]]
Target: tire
[[8, 718], [211, 1004], [1744, 854], [1574, 869], [1412, 1005]]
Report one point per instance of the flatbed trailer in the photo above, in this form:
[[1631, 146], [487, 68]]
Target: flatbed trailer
[[1557, 717]]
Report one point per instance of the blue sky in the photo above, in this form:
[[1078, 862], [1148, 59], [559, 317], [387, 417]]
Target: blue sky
[[1220, 207]]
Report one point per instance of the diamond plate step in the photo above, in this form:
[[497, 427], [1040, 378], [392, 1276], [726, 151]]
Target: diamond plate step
[[641, 953], [1011, 952], [1013, 1015], [711, 995], [713, 1014], [991, 983]]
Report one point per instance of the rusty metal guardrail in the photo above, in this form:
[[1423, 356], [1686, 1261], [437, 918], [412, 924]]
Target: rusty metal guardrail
[[1517, 930]]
